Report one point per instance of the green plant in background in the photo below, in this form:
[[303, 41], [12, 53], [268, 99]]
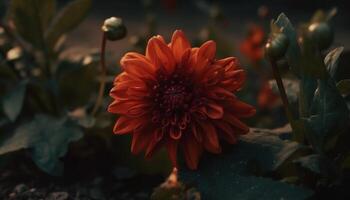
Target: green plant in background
[[315, 153], [47, 99], [323, 117]]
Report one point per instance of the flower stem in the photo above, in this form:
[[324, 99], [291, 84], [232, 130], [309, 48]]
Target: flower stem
[[282, 92], [103, 76]]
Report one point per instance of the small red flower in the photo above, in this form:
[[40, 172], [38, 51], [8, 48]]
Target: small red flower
[[253, 46], [267, 99], [179, 97]]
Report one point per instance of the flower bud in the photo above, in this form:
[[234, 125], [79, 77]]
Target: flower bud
[[277, 46], [114, 28], [322, 34]]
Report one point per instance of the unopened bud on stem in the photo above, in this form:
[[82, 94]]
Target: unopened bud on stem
[[114, 28], [322, 34], [277, 47]]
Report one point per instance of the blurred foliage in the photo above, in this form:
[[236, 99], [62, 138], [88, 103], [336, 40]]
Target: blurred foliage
[[315, 152], [48, 92], [40, 87], [239, 173]]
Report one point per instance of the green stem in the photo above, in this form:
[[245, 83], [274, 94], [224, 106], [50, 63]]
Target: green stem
[[282, 92], [103, 76]]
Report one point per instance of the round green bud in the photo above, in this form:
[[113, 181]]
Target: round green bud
[[277, 46], [114, 28], [322, 34]]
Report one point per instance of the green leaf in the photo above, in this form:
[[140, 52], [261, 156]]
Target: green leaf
[[47, 13], [344, 87], [47, 138], [31, 17], [13, 101], [331, 61], [293, 53], [310, 162], [312, 67], [66, 20], [83, 77], [312, 63], [329, 115], [228, 176]]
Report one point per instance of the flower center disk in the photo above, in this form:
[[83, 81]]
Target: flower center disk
[[173, 99]]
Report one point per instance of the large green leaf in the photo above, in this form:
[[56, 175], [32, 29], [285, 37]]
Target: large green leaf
[[66, 20], [329, 115], [12, 102], [229, 175], [31, 17], [310, 162], [312, 68], [47, 138], [71, 73]]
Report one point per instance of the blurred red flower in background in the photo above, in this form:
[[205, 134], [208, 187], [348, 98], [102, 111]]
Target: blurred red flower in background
[[267, 99], [253, 45], [179, 97]]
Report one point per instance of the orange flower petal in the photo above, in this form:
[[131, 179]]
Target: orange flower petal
[[179, 44], [220, 93], [175, 133], [205, 55], [186, 58], [160, 54], [157, 137], [226, 61], [211, 140], [207, 51], [214, 111], [236, 122], [227, 132], [132, 108], [234, 80], [192, 151], [196, 133], [241, 109], [172, 151], [138, 65], [140, 140], [126, 125], [136, 91]]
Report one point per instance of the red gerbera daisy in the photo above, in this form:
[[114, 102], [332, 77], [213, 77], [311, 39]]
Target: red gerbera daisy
[[179, 97]]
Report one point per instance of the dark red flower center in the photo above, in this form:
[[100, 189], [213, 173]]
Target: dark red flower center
[[174, 97]]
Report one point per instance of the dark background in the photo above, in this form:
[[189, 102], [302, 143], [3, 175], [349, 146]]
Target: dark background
[[188, 17]]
